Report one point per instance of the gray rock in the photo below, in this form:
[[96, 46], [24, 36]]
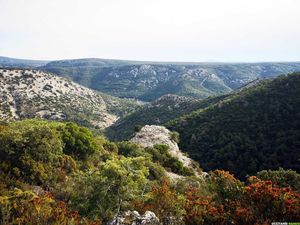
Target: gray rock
[[134, 218], [151, 135], [38, 190]]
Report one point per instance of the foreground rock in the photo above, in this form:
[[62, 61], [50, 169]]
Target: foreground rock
[[151, 135], [134, 218]]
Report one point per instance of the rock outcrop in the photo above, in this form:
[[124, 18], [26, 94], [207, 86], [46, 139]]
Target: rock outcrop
[[151, 135], [134, 218]]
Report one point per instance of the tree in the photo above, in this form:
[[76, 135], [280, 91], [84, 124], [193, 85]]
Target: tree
[[78, 141], [111, 188], [32, 150]]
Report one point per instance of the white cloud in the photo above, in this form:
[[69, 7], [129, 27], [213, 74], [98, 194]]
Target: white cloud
[[170, 30]]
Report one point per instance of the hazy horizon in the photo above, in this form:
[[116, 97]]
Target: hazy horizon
[[154, 61], [157, 31]]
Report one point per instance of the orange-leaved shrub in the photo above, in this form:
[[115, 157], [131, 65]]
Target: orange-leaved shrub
[[24, 207]]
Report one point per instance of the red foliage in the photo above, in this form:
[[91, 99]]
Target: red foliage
[[202, 210], [260, 202], [164, 202], [270, 202]]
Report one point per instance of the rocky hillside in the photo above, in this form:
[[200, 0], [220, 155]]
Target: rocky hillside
[[253, 129], [148, 81], [26, 93]]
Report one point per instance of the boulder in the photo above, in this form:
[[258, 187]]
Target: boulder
[[151, 135], [134, 218]]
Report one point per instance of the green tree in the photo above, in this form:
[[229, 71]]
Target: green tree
[[111, 188], [78, 141], [32, 150]]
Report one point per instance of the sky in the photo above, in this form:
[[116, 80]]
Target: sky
[[152, 30]]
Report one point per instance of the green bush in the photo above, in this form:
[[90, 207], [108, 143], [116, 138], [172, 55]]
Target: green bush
[[78, 141], [111, 147], [160, 154], [30, 149], [175, 136], [127, 148], [111, 188]]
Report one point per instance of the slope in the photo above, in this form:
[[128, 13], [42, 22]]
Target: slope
[[254, 129], [26, 93]]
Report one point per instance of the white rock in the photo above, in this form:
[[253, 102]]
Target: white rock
[[151, 135], [134, 218]]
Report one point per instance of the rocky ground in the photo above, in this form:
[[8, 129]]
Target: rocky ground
[[26, 93]]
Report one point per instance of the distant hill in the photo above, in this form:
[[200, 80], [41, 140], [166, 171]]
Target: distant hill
[[26, 93], [148, 81], [20, 63], [253, 129], [160, 111]]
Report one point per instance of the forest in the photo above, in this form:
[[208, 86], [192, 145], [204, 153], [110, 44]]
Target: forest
[[253, 129]]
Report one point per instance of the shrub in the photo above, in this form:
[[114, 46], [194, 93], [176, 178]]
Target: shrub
[[21, 207], [111, 188], [165, 203], [127, 148], [264, 202], [78, 141], [202, 209], [282, 178], [110, 147], [175, 136], [31, 150]]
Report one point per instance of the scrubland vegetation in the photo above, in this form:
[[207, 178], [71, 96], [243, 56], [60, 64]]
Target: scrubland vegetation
[[61, 173]]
